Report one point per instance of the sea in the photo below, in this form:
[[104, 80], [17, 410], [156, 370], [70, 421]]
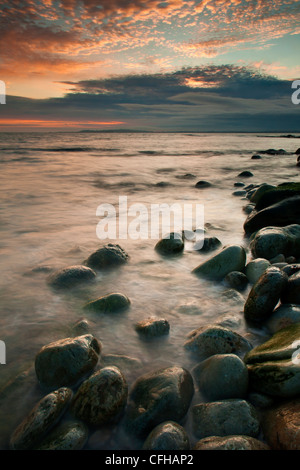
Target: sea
[[52, 184]]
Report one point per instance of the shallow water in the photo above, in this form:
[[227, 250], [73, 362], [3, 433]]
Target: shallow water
[[51, 186]]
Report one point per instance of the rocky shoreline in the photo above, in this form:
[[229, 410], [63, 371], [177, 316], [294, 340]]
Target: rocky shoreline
[[252, 394]]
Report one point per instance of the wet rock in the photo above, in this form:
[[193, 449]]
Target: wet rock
[[239, 184], [240, 193], [256, 157], [283, 316], [222, 376], [225, 418], [170, 244], [110, 303], [102, 397], [41, 419], [215, 339], [249, 208], [274, 367], [260, 191], [236, 280], [256, 268], [82, 327], [109, 256], [291, 269], [65, 362], [230, 258], [279, 259], [270, 242], [167, 436], [122, 362], [264, 295], [230, 320], [162, 395], [274, 152], [202, 184], [67, 436], [277, 194], [260, 400], [230, 443], [281, 424], [291, 293], [286, 212], [71, 277], [207, 244], [153, 327], [246, 174]]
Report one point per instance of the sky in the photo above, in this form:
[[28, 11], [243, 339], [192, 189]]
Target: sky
[[177, 65]]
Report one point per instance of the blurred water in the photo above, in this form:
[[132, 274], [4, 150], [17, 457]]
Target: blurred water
[[51, 186]]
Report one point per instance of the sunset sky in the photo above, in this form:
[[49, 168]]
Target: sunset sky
[[210, 65]]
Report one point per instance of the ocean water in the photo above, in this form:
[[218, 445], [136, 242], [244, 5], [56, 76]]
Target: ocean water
[[51, 187]]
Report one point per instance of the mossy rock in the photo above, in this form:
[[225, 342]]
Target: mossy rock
[[277, 194]]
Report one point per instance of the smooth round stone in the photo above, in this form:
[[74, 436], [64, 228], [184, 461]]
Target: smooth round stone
[[109, 256], [71, 277], [225, 418], [281, 424], [202, 184], [291, 293], [240, 193], [207, 244], [41, 419], [67, 436], [248, 208], [222, 376], [283, 316], [278, 259], [239, 184], [167, 436], [236, 280], [81, 327], [256, 268], [209, 340], [153, 327], [162, 395], [230, 258], [170, 244], [258, 193], [122, 362], [230, 443], [256, 157], [102, 397], [245, 174], [110, 303], [264, 295], [291, 269], [276, 243], [65, 362]]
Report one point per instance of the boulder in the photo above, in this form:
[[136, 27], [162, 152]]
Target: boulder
[[274, 367], [167, 436], [102, 397], [41, 419], [162, 395], [264, 295], [225, 418], [65, 362], [71, 276], [236, 280], [256, 268], [260, 191], [291, 293], [153, 327], [280, 425], [230, 443], [212, 339], [170, 244], [67, 436], [109, 303], [276, 194], [270, 242], [222, 376], [230, 258], [108, 256], [286, 212]]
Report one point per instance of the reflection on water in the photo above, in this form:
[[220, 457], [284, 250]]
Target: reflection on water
[[49, 197]]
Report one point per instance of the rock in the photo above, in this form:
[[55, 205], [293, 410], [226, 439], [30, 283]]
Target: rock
[[230, 443], [71, 277], [122, 362], [162, 395], [281, 424], [225, 418], [286, 212], [153, 327], [167, 436], [279, 259], [81, 327], [109, 256], [41, 419], [276, 194], [274, 365], [297, 151], [256, 268], [186, 176], [270, 242], [229, 320], [239, 184], [291, 293], [110, 303], [283, 316], [260, 191], [170, 244], [249, 208], [215, 339], [65, 362], [202, 184], [291, 269], [208, 244], [239, 193], [256, 157], [264, 295], [236, 280], [230, 258], [234, 296], [246, 174], [67, 436], [260, 400], [222, 376], [102, 397], [291, 260], [274, 152]]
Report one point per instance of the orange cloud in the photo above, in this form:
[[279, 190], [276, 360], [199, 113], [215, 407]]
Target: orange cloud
[[45, 123]]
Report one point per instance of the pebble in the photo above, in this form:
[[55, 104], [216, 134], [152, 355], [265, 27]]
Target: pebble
[[167, 436], [153, 327]]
